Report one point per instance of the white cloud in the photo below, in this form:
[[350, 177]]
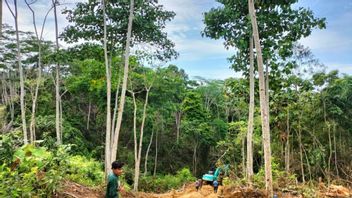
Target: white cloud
[[342, 67], [202, 49], [337, 34], [185, 31], [216, 72], [41, 7], [326, 40]]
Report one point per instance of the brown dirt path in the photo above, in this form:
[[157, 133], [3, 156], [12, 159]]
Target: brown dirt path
[[188, 191]]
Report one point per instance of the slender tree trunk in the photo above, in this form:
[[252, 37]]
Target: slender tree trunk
[[250, 115], [116, 99], [300, 148], [330, 152], [136, 175], [135, 187], [124, 83], [335, 151], [12, 96], [57, 81], [287, 147], [34, 103], [243, 151], [23, 105], [156, 146], [263, 106], [61, 119], [88, 116], [0, 19], [267, 85], [108, 160], [147, 154], [308, 166], [195, 158], [22, 92], [116, 103], [329, 135], [5, 95], [178, 125]]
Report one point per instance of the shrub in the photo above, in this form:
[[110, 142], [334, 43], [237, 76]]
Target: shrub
[[163, 183], [36, 172], [84, 171], [30, 174], [281, 179]]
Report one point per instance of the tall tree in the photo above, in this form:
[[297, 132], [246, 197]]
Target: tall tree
[[147, 28], [23, 105], [263, 106], [57, 80], [250, 114], [108, 96], [124, 82], [287, 25], [148, 83], [39, 77]]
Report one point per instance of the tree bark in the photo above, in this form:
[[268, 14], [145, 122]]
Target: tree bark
[[335, 151], [136, 172], [61, 119], [330, 152], [287, 147], [267, 86], [329, 136], [263, 106], [147, 154], [88, 116], [137, 168], [57, 81], [12, 96], [39, 42], [22, 92], [300, 148], [244, 168], [116, 103], [124, 83], [178, 125], [307, 160], [0, 19], [156, 145], [195, 158], [34, 103], [250, 115], [108, 159]]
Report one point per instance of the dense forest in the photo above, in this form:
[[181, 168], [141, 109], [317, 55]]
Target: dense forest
[[71, 106]]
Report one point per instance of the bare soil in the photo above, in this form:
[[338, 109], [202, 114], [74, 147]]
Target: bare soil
[[74, 190]]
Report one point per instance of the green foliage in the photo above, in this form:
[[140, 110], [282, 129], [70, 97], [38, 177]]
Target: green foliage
[[32, 173], [149, 21], [8, 145], [36, 172], [281, 179], [163, 183], [84, 171]]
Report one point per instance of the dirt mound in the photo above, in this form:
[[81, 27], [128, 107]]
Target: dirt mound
[[338, 191], [188, 191], [235, 192], [71, 189]]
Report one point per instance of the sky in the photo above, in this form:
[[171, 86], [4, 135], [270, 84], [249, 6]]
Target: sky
[[201, 56]]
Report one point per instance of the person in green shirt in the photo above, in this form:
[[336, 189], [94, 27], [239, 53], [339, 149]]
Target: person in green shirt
[[113, 187]]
